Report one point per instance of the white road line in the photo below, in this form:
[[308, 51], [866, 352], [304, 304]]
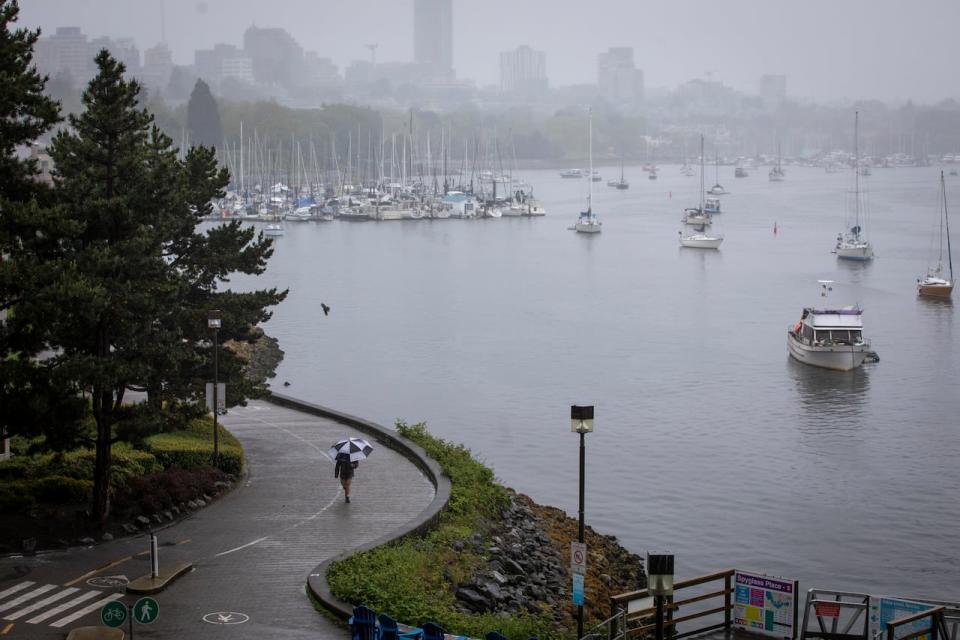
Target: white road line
[[63, 607], [14, 589], [39, 605], [27, 596], [244, 546], [62, 622]]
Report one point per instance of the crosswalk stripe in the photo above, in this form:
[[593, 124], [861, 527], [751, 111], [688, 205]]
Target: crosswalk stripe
[[41, 604], [63, 607], [27, 596], [62, 622], [14, 589]]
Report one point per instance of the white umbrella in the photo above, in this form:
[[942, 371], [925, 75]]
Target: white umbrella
[[356, 448]]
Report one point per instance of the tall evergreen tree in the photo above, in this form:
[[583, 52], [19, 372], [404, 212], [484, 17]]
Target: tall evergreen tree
[[34, 399], [203, 117], [136, 279]]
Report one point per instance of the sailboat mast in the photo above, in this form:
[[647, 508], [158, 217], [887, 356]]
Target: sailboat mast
[[946, 222], [702, 184], [590, 153], [856, 172]]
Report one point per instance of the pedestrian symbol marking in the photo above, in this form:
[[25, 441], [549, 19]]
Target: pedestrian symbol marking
[[226, 617], [146, 611], [113, 614]]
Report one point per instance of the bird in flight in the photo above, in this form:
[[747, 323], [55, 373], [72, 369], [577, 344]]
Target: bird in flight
[[326, 309]]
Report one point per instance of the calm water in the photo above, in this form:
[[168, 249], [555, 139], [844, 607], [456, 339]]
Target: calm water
[[710, 441]]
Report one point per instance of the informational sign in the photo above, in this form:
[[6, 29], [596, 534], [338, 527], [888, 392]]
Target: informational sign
[[578, 589], [827, 609], [765, 604], [146, 611], [113, 614], [578, 557], [884, 609], [221, 397]]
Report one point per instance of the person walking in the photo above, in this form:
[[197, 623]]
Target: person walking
[[344, 470]]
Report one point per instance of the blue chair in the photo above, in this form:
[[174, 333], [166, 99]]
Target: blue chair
[[433, 631], [494, 635], [363, 623], [390, 630]]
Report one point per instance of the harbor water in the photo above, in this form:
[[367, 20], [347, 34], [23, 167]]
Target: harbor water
[[709, 442]]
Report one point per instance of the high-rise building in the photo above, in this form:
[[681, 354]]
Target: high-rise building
[[433, 34], [66, 52], [523, 70], [618, 79], [122, 49], [157, 67], [773, 91], [221, 62], [277, 58]]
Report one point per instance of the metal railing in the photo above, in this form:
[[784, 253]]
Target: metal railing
[[936, 631], [639, 612]]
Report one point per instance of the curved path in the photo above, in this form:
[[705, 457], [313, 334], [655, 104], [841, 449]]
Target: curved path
[[252, 550]]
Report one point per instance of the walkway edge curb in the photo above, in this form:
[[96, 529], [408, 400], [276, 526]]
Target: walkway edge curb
[[424, 521]]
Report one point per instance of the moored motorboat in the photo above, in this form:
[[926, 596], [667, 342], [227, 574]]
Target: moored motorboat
[[830, 338]]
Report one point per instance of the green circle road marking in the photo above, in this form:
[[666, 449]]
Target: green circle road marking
[[113, 614]]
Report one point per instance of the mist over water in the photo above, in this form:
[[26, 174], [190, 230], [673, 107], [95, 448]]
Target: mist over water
[[710, 441]]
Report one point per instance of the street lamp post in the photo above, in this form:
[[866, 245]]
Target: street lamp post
[[213, 322], [581, 421], [660, 586]]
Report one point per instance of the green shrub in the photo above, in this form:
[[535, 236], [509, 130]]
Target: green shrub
[[16, 496], [193, 448], [61, 490], [410, 579]]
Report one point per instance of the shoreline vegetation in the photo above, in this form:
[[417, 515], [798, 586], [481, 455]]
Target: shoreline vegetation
[[495, 561]]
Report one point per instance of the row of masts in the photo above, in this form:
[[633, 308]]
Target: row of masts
[[398, 160]]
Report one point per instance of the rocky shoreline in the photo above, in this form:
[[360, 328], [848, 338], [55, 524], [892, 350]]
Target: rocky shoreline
[[528, 569]]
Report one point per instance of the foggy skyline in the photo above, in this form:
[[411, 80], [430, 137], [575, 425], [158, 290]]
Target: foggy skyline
[[829, 51]]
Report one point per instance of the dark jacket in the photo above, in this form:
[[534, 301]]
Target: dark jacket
[[344, 468]]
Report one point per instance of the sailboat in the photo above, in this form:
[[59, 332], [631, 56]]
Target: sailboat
[[588, 221], [652, 175], [699, 239], [621, 183], [934, 284], [717, 189], [776, 174], [852, 244]]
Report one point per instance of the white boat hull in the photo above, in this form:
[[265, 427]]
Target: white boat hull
[[588, 227], [838, 357], [855, 252], [699, 241]]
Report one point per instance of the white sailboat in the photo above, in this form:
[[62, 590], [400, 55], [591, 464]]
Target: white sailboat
[[699, 239], [717, 189], [777, 173], [934, 284], [588, 221], [853, 244]]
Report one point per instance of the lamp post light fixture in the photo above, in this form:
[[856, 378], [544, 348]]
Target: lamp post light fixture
[[659, 584], [213, 322], [581, 421]]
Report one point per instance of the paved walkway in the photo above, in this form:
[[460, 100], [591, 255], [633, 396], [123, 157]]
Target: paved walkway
[[252, 550]]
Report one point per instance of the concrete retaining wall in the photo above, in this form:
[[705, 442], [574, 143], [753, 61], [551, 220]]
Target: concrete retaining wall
[[425, 520]]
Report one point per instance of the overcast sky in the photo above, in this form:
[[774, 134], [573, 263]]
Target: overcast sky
[[829, 49]]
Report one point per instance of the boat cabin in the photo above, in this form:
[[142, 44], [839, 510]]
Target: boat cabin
[[831, 326]]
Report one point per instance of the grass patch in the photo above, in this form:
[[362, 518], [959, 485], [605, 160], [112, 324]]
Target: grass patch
[[412, 579]]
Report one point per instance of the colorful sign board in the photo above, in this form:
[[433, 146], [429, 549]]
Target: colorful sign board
[[884, 609], [765, 604], [578, 589]]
